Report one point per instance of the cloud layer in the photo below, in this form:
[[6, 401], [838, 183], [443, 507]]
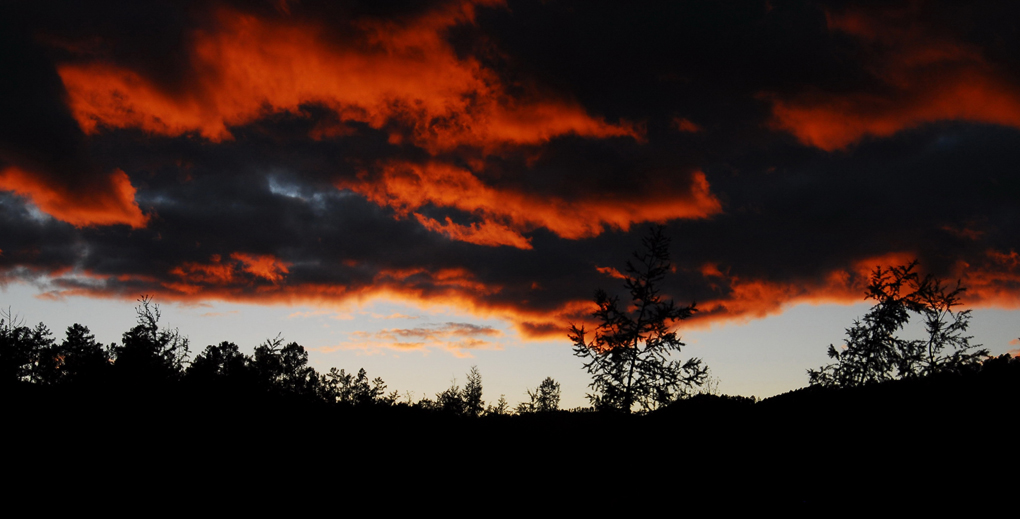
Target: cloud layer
[[506, 157]]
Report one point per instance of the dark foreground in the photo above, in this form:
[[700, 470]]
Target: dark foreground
[[923, 443]]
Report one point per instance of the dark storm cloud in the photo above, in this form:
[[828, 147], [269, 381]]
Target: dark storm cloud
[[506, 157], [942, 194]]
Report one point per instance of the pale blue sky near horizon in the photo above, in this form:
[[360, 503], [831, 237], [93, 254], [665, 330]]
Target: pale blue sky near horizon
[[761, 357]]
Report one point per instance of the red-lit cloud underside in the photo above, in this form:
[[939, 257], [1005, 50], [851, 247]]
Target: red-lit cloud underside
[[922, 77], [263, 279], [407, 80], [108, 202], [246, 67]]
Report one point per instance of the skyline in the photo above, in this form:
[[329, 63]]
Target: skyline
[[447, 181]]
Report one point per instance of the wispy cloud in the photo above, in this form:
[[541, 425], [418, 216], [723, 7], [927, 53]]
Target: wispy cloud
[[456, 338]]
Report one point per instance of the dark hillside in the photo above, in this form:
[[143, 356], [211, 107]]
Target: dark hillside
[[805, 448]]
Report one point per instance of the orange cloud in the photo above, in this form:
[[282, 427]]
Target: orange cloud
[[754, 298], [711, 270], [109, 203], [611, 272], [685, 125], [263, 266], [408, 74], [927, 77], [993, 280], [454, 337], [745, 299], [739, 299], [218, 274], [227, 280], [407, 187], [964, 232], [485, 233], [460, 347], [213, 273]]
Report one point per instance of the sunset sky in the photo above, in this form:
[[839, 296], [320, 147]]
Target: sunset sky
[[418, 187]]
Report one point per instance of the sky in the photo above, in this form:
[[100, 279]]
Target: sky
[[417, 187]]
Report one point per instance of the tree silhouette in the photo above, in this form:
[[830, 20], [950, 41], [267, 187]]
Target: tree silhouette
[[222, 360], [221, 366], [457, 401], [451, 400], [945, 328], [21, 348], [284, 369], [15, 355], [501, 408], [346, 388], [147, 352], [630, 356], [472, 393], [545, 398], [78, 358], [874, 353]]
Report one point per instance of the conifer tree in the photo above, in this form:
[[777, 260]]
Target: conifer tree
[[874, 352], [631, 353]]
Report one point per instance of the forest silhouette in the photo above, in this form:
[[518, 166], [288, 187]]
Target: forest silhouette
[[891, 412]]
